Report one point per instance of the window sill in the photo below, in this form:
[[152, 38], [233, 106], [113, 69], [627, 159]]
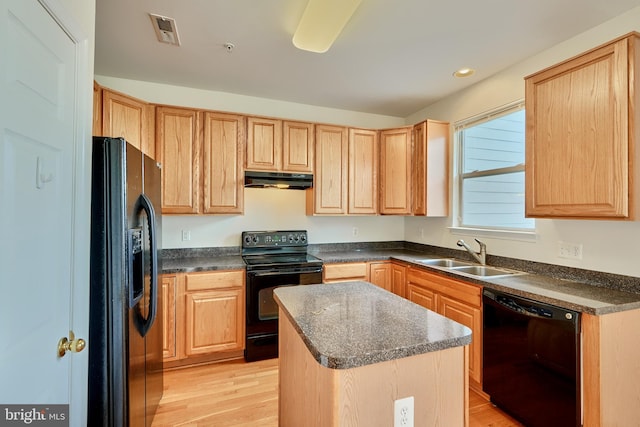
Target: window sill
[[525, 236]]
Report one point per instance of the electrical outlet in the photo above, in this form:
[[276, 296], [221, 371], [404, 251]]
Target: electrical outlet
[[186, 235], [570, 250], [422, 233], [355, 231], [403, 412]]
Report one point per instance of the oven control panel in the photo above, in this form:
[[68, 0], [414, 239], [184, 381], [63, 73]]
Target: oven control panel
[[255, 239]]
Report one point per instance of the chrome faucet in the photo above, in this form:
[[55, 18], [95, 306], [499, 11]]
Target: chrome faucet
[[481, 256]]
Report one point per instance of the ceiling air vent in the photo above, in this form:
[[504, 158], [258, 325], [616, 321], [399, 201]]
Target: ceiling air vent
[[165, 28]]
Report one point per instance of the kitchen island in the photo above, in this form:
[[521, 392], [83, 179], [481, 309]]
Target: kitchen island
[[349, 350]]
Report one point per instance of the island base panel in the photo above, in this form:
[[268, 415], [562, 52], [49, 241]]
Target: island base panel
[[313, 395]]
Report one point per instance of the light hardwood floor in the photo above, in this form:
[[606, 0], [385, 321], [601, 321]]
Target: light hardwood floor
[[236, 394]]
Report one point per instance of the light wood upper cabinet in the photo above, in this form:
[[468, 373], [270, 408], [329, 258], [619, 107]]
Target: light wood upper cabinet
[[363, 172], [127, 117], [279, 146], [264, 144], [201, 155], [298, 146], [178, 146], [395, 171], [580, 134], [223, 155], [431, 168], [329, 195]]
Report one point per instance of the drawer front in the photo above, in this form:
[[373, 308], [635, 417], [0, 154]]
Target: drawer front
[[353, 270], [465, 292], [215, 280]]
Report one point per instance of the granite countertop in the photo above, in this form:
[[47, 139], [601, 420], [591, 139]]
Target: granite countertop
[[601, 296], [349, 324], [190, 264], [586, 291]]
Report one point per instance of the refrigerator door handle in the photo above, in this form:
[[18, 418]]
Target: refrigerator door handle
[[145, 204]]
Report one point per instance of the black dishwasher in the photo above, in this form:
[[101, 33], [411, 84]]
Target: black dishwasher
[[531, 360]]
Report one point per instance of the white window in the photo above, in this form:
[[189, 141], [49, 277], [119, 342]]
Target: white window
[[490, 171]]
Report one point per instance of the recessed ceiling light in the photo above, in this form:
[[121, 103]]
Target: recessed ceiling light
[[464, 72]]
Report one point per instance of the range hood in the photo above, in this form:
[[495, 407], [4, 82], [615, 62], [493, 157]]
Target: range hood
[[292, 181]]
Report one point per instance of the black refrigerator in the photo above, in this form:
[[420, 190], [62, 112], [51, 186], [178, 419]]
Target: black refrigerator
[[125, 329]]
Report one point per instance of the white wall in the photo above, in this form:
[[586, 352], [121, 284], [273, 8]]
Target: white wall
[[273, 209], [607, 245]]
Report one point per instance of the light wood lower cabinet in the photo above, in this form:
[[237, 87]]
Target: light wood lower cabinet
[[388, 275], [380, 274], [169, 290], [399, 279], [456, 300], [610, 367], [347, 271], [204, 316]]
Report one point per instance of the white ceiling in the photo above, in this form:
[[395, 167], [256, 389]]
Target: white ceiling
[[393, 58]]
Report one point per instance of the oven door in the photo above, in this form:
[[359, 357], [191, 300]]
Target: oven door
[[261, 309]]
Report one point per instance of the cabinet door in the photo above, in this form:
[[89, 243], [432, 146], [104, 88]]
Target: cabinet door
[[123, 116], [298, 146], [223, 158], [421, 296], [398, 279], [329, 194], [179, 152], [363, 171], [214, 321], [431, 168], [264, 144], [577, 136], [395, 171], [380, 274], [169, 290], [471, 317]]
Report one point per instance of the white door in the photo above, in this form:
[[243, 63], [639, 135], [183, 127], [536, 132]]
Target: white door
[[44, 207]]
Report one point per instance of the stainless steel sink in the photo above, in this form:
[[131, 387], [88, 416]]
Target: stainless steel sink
[[484, 271], [447, 263]]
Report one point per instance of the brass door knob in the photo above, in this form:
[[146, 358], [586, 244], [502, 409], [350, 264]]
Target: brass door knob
[[70, 344]]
